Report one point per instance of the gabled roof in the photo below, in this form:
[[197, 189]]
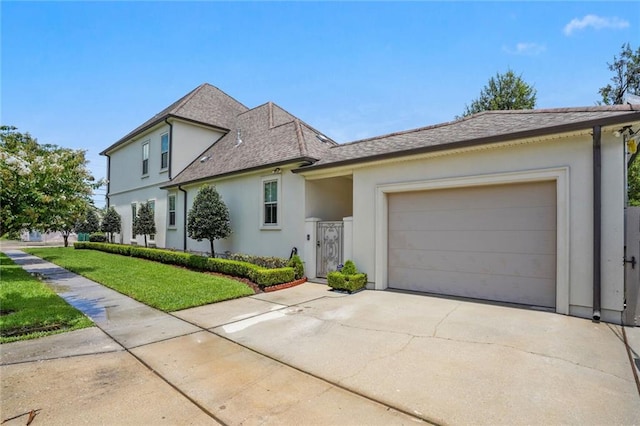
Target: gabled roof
[[482, 128], [206, 105], [260, 137]]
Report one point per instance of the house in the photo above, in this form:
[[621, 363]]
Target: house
[[522, 207]]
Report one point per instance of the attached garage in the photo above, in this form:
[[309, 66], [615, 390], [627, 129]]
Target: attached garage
[[493, 242]]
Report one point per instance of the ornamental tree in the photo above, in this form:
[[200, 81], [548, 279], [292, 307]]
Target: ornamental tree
[[111, 222], [208, 218], [503, 92], [90, 223], [144, 224], [42, 187], [626, 76]]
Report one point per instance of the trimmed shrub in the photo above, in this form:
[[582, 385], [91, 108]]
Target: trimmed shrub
[[296, 263], [97, 237], [262, 276], [348, 279], [264, 261]]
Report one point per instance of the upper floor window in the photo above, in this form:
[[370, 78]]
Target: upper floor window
[[172, 210], [145, 158], [270, 199], [164, 151]]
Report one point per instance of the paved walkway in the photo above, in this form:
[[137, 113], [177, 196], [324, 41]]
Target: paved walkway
[[309, 356], [143, 366]]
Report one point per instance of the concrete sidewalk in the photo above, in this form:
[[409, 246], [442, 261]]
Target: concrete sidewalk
[[142, 366], [306, 355]]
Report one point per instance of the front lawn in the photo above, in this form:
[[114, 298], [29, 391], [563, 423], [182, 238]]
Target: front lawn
[[30, 309], [166, 287]]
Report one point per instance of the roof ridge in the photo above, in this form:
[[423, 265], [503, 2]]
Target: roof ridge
[[185, 99], [301, 142], [270, 114]]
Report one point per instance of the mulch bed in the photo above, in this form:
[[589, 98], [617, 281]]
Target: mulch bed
[[256, 288]]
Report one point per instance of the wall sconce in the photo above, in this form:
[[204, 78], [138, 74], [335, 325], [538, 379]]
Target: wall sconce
[[276, 171]]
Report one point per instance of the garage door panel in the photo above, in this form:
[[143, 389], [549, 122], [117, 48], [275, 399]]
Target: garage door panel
[[533, 242], [489, 219], [526, 290], [493, 242], [510, 264]]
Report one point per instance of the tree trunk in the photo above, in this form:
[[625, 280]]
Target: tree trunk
[[66, 240], [213, 253], [145, 240]]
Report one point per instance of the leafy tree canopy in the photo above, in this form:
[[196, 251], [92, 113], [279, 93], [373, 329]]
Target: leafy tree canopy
[[503, 92], [42, 187], [145, 223], [89, 223], [626, 76], [208, 218], [111, 222]]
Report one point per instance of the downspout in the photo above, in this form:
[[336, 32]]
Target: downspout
[[166, 120], [184, 222], [597, 221], [108, 178]]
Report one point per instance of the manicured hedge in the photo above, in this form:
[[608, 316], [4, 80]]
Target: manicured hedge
[[348, 278], [262, 276]]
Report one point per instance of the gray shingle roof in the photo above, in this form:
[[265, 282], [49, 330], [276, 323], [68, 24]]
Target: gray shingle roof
[[269, 135], [205, 104], [482, 128]]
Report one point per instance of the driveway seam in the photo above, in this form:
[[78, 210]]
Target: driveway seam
[[63, 357], [633, 366]]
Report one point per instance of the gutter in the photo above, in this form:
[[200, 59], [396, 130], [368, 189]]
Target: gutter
[[170, 154], [108, 178], [184, 223], [597, 221]]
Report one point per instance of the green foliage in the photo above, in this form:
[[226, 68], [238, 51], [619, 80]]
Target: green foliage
[[162, 286], [145, 223], [633, 183], [97, 237], [208, 218], [89, 223], [259, 275], [111, 222], [349, 268], [626, 76], [30, 308], [264, 261], [503, 92], [42, 187], [296, 263]]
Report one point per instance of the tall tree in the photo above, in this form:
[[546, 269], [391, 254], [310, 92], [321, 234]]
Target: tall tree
[[111, 222], [502, 92], [626, 76], [90, 223], [145, 223], [42, 187], [208, 218]]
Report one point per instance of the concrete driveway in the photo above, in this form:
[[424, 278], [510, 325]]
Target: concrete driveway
[[307, 355]]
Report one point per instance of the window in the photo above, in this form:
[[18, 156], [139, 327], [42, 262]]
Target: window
[[134, 214], [270, 202], [145, 158], [172, 210], [152, 207], [164, 151]]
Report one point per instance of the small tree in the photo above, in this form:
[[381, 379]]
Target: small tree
[[111, 222], [145, 223], [626, 76], [208, 218], [89, 223], [505, 91]]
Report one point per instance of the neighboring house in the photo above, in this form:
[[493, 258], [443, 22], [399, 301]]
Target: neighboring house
[[498, 206]]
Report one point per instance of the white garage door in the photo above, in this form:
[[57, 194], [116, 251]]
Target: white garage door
[[493, 242]]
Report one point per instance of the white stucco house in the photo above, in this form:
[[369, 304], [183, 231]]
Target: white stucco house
[[523, 207]]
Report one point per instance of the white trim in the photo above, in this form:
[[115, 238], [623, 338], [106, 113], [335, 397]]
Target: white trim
[[175, 209], [560, 175], [146, 143], [164, 169], [278, 225]]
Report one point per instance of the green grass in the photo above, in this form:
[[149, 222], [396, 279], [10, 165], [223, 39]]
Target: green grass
[[30, 309], [166, 287]]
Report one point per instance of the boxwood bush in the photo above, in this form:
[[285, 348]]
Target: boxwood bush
[[264, 277], [347, 279], [296, 263]]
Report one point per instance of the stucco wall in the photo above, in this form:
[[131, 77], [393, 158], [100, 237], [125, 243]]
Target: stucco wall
[[575, 153], [122, 203], [242, 195], [189, 142], [329, 199]]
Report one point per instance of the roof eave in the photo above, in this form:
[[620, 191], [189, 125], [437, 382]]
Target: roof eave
[[487, 140]]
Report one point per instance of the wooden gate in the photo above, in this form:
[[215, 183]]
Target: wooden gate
[[329, 247]]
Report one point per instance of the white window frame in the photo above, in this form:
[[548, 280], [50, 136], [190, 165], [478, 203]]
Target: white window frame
[[162, 152], [271, 226], [145, 157], [169, 211]]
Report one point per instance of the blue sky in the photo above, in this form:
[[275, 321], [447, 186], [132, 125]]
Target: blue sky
[[83, 74]]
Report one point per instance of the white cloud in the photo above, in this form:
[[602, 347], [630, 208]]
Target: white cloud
[[525, 49], [596, 22]]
